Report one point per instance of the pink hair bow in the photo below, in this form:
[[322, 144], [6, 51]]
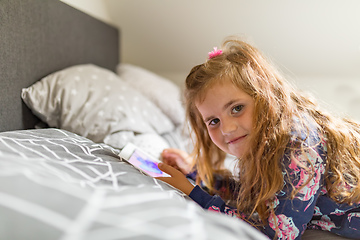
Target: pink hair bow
[[215, 53]]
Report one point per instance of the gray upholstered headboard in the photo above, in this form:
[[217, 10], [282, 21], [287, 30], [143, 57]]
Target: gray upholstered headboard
[[38, 37]]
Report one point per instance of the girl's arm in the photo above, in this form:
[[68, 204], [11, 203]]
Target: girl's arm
[[205, 200], [291, 216], [177, 179], [213, 203]]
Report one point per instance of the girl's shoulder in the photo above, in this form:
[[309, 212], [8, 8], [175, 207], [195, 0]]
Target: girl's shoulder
[[307, 140], [306, 132], [305, 158]]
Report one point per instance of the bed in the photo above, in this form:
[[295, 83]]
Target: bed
[[68, 106]]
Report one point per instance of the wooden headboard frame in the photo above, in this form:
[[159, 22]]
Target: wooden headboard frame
[[39, 37]]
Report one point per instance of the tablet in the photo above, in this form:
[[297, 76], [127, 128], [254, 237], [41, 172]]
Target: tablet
[[142, 160]]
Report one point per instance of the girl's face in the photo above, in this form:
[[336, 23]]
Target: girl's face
[[227, 112]]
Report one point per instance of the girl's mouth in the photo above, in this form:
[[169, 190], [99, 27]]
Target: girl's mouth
[[235, 140]]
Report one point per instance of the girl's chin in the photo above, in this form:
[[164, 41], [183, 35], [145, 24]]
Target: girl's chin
[[236, 152]]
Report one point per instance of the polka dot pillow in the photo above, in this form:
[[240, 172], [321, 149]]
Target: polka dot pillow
[[165, 94], [93, 102]]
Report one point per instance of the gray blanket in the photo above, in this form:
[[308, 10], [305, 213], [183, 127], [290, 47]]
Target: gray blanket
[[57, 185]]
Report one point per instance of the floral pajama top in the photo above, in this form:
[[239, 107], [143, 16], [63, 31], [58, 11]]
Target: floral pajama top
[[310, 209]]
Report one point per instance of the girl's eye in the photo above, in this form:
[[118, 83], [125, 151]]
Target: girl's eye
[[237, 109], [214, 122]]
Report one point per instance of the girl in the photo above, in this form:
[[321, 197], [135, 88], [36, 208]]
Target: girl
[[298, 167]]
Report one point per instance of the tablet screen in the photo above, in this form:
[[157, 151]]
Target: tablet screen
[[146, 164]]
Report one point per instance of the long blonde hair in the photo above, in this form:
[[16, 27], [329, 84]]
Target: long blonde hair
[[276, 105]]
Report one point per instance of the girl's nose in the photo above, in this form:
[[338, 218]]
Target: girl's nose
[[228, 127]]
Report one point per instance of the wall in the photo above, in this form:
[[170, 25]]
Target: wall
[[315, 43]]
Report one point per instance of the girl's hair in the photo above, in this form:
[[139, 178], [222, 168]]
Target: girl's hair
[[276, 106]]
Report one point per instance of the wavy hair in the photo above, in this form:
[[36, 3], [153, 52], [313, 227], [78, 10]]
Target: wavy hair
[[276, 105]]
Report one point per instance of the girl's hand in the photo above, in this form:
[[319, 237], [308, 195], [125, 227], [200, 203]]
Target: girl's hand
[[177, 159], [177, 179]]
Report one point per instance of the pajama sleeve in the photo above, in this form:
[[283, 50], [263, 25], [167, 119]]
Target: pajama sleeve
[[212, 203]]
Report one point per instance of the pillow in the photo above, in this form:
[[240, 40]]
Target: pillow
[[93, 102], [165, 94]]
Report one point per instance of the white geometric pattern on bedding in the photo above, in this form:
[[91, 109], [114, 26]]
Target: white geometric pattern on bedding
[[57, 185]]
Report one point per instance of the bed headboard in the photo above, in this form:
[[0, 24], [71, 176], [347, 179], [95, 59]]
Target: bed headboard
[[39, 37]]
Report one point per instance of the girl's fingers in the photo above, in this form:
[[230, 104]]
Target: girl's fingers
[[165, 168], [177, 179], [175, 151], [178, 159]]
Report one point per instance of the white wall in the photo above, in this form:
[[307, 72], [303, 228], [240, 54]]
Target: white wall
[[174, 35], [315, 43]]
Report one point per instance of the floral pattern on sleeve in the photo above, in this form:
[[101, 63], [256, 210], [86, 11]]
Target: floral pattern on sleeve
[[286, 226], [292, 215]]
